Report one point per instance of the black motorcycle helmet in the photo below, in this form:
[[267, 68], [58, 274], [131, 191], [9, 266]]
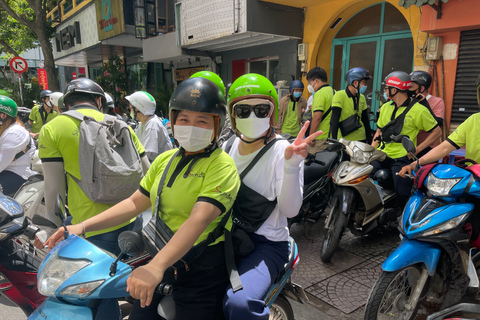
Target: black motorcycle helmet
[[421, 78], [199, 95], [84, 85], [44, 94]]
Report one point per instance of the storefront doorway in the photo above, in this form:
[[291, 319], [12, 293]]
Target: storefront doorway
[[377, 38]]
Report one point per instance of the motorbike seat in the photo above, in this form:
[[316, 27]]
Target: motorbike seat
[[475, 169], [291, 260], [315, 171]]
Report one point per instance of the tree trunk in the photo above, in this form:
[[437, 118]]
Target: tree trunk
[[49, 61]]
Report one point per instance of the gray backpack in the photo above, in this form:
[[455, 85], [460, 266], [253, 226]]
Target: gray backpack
[[110, 165]]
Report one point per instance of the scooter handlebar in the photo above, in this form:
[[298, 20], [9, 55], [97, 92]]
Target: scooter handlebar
[[165, 289], [411, 176]]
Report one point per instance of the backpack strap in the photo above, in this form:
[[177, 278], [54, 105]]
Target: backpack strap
[[257, 157], [42, 112], [420, 176], [74, 114], [25, 150]]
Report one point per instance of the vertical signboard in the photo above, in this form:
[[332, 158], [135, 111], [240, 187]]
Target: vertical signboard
[[42, 78], [110, 18]]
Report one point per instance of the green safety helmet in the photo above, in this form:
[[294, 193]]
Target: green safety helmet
[[252, 85], [212, 77], [199, 95], [8, 106]]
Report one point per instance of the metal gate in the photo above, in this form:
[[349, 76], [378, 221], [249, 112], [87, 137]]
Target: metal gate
[[468, 68]]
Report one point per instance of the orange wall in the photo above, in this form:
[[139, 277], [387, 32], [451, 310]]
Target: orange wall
[[456, 15]]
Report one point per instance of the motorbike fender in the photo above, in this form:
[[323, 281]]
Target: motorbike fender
[[411, 252], [346, 197], [55, 309]]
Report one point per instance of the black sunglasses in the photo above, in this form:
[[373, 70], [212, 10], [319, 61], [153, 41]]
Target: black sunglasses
[[243, 110]]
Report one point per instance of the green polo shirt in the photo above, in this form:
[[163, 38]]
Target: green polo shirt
[[36, 118], [418, 118], [59, 141], [322, 102], [290, 119], [344, 100], [212, 179], [466, 134]]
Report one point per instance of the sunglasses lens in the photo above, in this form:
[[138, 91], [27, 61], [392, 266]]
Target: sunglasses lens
[[243, 111], [262, 110]]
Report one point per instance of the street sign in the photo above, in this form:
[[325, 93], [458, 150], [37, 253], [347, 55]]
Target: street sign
[[41, 65], [18, 64], [74, 75]]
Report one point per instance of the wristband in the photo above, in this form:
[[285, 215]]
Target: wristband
[[83, 233]]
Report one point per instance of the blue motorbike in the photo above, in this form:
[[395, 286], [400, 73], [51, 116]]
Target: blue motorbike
[[76, 276], [435, 252]]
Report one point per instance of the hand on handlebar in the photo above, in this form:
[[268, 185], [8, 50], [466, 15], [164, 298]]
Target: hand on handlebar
[[57, 237], [143, 282], [407, 171]]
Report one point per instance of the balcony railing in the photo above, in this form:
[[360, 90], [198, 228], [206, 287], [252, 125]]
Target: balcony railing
[[65, 9]]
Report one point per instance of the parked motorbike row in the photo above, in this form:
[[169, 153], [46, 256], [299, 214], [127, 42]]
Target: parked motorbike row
[[337, 186]]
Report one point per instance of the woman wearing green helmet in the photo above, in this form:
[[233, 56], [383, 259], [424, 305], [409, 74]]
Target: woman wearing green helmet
[[16, 148], [271, 192]]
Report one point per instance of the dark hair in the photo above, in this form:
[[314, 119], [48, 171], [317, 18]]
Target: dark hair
[[78, 98], [317, 73]]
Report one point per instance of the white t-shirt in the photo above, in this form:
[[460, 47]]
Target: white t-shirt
[[13, 141], [154, 137], [266, 178]]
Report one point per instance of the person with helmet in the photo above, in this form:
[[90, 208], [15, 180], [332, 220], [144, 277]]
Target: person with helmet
[[321, 106], [349, 108], [150, 131], [464, 135], [227, 131], [201, 183], [417, 118], [41, 114], [421, 82], [290, 110], [271, 192], [56, 101], [16, 148]]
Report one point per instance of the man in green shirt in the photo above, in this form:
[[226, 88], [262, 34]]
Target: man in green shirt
[[59, 151], [321, 107], [350, 104], [417, 118], [290, 110], [42, 114]]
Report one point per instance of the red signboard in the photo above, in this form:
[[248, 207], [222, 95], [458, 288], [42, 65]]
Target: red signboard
[[42, 78], [74, 75]]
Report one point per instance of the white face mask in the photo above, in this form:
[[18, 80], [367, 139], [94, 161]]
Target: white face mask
[[192, 138], [310, 89], [253, 127]]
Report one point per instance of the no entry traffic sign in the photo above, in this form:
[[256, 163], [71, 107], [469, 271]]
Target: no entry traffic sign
[[18, 64]]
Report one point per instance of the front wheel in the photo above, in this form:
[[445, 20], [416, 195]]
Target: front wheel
[[281, 309], [332, 236], [391, 293]]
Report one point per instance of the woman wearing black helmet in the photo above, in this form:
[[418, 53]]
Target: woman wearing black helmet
[[290, 110], [198, 184]]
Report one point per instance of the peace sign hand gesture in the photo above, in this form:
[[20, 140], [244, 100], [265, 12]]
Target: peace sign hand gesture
[[297, 151]]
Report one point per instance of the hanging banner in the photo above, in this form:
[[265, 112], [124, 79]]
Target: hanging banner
[[110, 20], [42, 78]]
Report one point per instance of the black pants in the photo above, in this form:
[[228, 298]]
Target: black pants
[[402, 186], [198, 293], [10, 182]]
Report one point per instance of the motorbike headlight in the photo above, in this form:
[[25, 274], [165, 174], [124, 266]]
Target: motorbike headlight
[[56, 270], [81, 290], [361, 156], [441, 187], [450, 224]]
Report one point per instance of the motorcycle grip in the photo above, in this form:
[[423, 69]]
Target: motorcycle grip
[[331, 140], [165, 289]]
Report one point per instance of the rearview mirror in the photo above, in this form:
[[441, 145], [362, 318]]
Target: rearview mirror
[[131, 243], [59, 208], [408, 145]]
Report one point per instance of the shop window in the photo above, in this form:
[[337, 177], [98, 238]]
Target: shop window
[[267, 67], [166, 16]]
